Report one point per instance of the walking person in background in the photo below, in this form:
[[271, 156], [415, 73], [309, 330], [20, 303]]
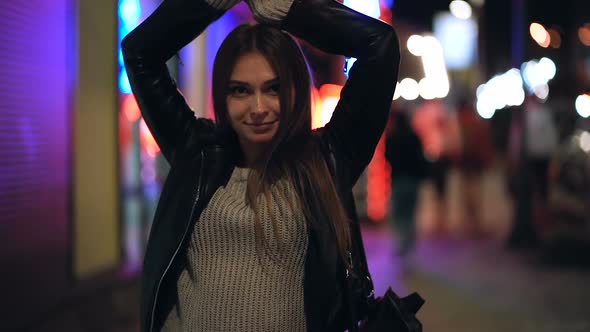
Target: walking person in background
[[475, 157], [256, 228], [405, 154], [541, 144], [440, 167]]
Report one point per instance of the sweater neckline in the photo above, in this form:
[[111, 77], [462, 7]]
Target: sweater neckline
[[240, 174]]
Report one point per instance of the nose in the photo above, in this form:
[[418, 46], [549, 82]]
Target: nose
[[259, 109]]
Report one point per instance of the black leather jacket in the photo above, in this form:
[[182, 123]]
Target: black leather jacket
[[201, 163]]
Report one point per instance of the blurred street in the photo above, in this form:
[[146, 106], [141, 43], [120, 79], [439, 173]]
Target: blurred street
[[473, 285], [478, 284]]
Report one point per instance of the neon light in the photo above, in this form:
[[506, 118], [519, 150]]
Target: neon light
[[121, 62], [378, 184], [147, 140], [349, 63], [129, 10], [388, 3], [130, 108], [124, 85], [129, 15], [329, 96], [367, 7]]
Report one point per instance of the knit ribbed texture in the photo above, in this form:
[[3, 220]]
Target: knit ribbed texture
[[226, 286], [270, 11], [221, 4]]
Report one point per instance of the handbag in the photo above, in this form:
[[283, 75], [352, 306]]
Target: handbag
[[391, 313], [387, 313]]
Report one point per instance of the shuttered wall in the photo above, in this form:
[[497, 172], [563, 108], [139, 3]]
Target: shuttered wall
[[35, 106]]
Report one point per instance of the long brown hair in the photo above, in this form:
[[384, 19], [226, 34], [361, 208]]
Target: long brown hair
[[292, 154]]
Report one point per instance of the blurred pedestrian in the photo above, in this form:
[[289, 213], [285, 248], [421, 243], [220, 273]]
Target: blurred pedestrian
[[475, 157], [405, 154], [541, 144]]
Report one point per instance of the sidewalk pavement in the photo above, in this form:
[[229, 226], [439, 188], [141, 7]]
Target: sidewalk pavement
[[481, 286]]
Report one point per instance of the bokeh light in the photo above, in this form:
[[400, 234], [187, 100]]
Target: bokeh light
[[396, 94], [554, 38], [499, 92], [415, 45], [408, 89], [585, 141], [427, 88], [536, 75], [540, 35], [434, 65], [584, 34], [460, 9], [583, 105]]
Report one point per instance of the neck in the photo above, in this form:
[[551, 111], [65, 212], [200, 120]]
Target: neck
[[251, 154]]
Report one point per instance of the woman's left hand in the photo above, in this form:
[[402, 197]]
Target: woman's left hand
[[269, 11], [222, 4]]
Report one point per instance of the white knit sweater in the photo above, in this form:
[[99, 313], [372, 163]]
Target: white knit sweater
[[225, 286]]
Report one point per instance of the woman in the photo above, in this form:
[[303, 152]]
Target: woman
[[256, 227]]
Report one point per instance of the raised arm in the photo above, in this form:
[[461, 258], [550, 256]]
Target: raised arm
[[145, 51], [361, 115]]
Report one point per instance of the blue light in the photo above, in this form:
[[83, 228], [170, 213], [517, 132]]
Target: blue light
[[458, 38], [124, 29], [124, 85], [129, 11], [367, 7], [129, 15], [349, 63], [121, 62]]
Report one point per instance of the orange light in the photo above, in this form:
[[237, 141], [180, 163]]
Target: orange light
[[130, 108], [316, 108], [325, 102], [540, 35], [554, 38], [584, 34], [330, 90], [147, 140], [378, 184]]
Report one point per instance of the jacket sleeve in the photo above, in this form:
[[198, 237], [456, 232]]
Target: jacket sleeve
[[362, 112], [145, 52]]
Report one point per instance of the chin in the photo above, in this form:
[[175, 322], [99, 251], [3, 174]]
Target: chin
[[261, 138]]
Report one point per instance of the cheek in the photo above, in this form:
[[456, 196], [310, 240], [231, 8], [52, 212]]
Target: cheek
[[276, 105], [273, 104], [235, 110]]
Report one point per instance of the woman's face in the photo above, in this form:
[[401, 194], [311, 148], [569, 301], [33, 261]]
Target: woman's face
[[253, 101]]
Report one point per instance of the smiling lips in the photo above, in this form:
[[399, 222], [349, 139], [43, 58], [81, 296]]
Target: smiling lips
[[262, 127], [261, 124]]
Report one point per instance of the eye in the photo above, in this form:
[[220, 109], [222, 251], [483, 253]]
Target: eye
[[238, 90], [274, 88]]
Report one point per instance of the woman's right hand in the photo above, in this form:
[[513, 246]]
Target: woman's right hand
[[269, 11]]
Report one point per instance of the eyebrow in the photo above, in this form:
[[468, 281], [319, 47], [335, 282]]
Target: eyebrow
[[269, 82]]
